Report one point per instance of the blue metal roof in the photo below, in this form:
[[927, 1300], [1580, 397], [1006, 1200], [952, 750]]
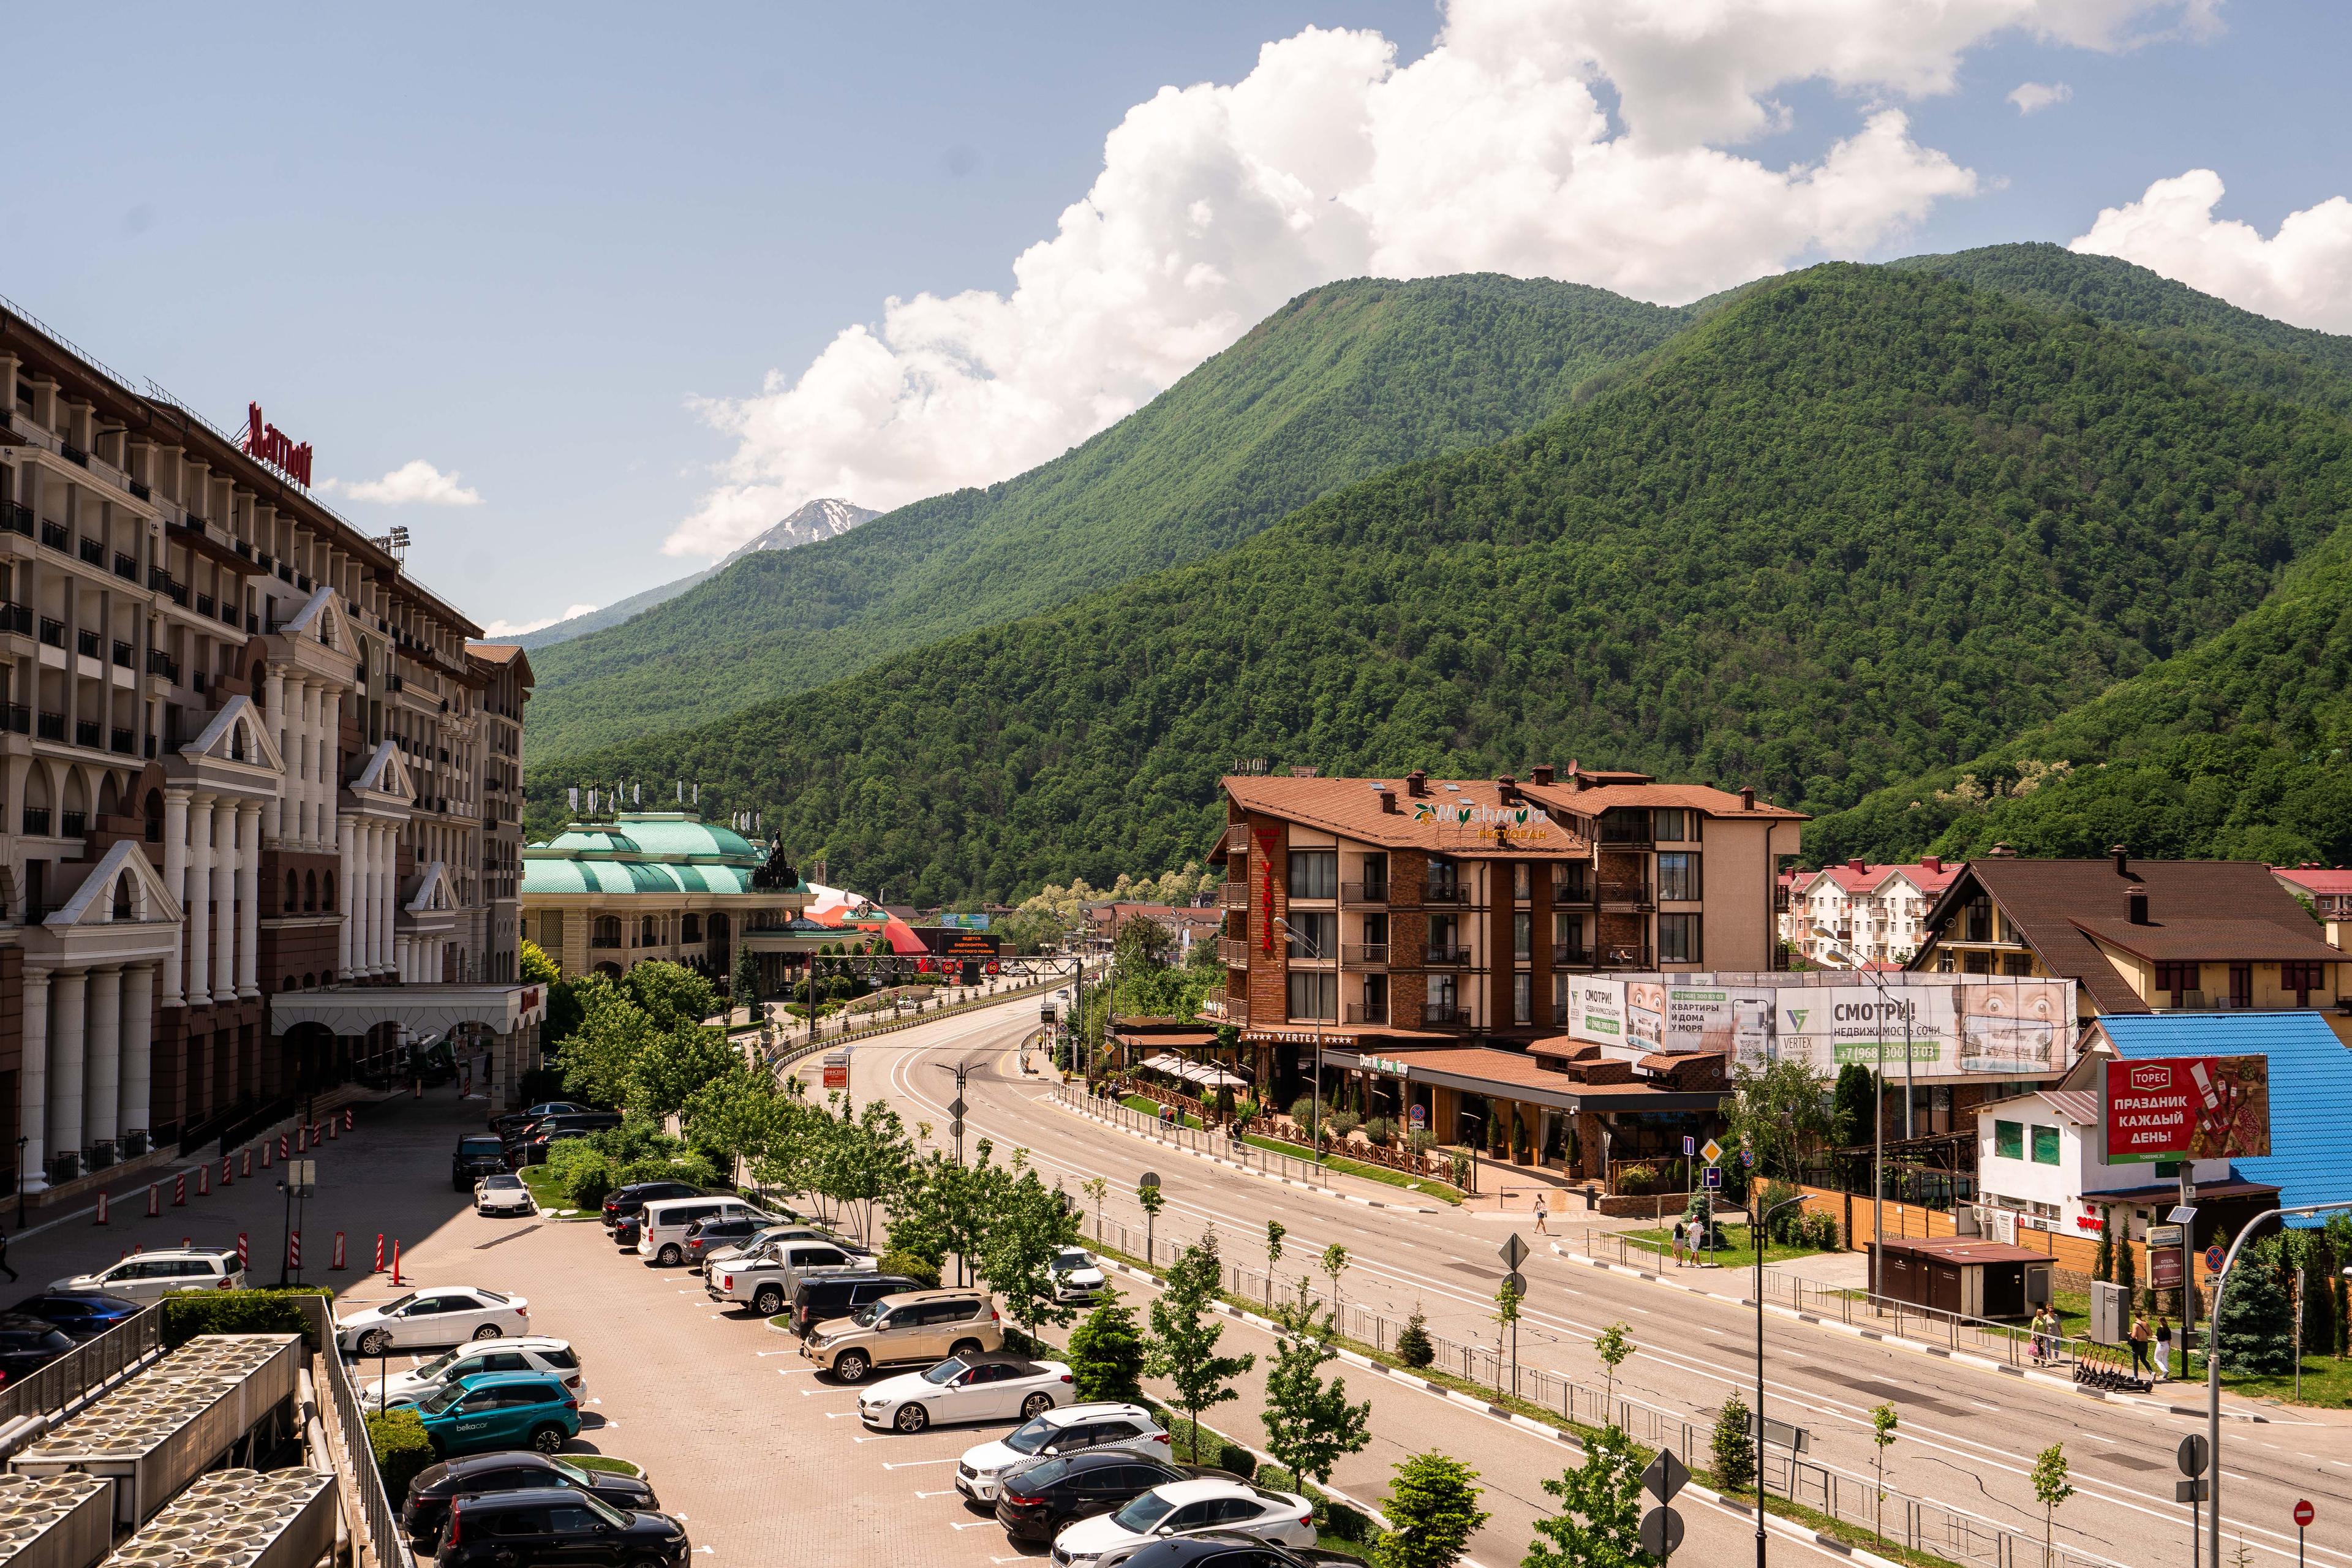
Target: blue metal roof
[[2311, 1083]]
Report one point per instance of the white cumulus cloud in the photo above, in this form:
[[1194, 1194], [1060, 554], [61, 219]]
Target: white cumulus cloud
[[1585, 139], [517, 628], [414, 483], [2302, 274], [2033, 96]]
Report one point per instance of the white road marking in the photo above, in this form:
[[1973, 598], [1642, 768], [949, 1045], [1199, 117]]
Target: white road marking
[[914, 1464]]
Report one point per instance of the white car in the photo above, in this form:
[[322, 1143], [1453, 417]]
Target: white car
[[503, 1194], [1068, 1429], [152, 1275], [760, 1240], [446, 1315], [1077, 1276], [661, 1225], [967, 1388], [554, 1357], [1182, 1508]]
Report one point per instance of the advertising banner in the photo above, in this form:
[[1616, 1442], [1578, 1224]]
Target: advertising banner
[[1646, 1015], [2187, 1107], [1598, 1013]]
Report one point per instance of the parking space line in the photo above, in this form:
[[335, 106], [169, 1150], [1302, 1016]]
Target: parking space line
[[913, 1464]]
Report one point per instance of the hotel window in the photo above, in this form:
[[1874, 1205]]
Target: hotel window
[[1678, 875], [1523, 997], [1523, 936], [2045, 1145], [1572, 882], [1520, 880], [2302, 979], [1314, 996], [1670, 825], [1313, 934], [2175, 979], [1559, 984], [2009, 1140], [1444, 998], [1678, 939], [1314, 874], [2242, 985]]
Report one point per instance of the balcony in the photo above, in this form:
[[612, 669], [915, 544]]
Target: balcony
[[1367, 1013], [123, 743], [73, 824], [92, 551], [16, 719], [55, 536], [16, 518], [1624, 955], [1236, 837], [53, 632], [1628, 896], [89, 732], [126, 567], [88, 643], [1445, 1015], [125, 654], [163, 664], [1445, 893], [1364, 893], [37, 821], [139, 488], [1234, 894], [1363, 952], [1571, 956], [203, 603], [50, 726], [14, 617], [1571, 895], [1234, 951], [1447, 956], [73, 454], [229, 616]]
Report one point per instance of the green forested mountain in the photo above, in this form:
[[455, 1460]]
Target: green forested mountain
[[1856, 524], [1342, 382]]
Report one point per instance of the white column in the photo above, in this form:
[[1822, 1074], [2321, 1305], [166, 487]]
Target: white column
[[138, 1045], [400, 957], [372, 879], [71, 997], [103, 1092], [298, 825], [388, 889], [225, 854], [363, 835], [248, 899], [347, 893], [33, 1083], [273, 695], [199, 891], [175, 877], [323, 780]]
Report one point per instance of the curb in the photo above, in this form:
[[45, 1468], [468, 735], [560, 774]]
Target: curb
[[1962, 1358], [1237, 1165]]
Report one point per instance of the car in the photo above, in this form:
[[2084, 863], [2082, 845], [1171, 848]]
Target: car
[[705, 1236], [80, 1314], [29, 1343], [1077, 1276], [766, 1282], [501, 1410], [533, 1150], [1229, 1549], [432, 1489], [822, 1298], [1036, 1503], [152, 1275], [530, 1353], [661, 1237], [443, 1315], [768, 1235], [626, 1231], [515, 1120], [1178, 1508], [561, 1122], [975, 1388], [476, 1156], [503, 1194], [625, 1202], [1066, 1430], [921, 1326], [500, 1529]]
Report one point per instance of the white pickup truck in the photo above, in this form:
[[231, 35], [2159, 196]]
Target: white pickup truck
[[765, 1281]]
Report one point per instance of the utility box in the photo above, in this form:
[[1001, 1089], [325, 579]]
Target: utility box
[[2110, 1312]]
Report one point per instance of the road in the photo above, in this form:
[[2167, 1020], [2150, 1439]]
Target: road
[[1968, 1438]]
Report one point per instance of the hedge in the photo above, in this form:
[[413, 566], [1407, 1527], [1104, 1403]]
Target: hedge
[[257, 1311], [402, 1449]]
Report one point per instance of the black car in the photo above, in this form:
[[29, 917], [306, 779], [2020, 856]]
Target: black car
[[1036, 1503], [80, 1314], [516, 1121], [1229, 1549], [626, 1201], [529, 1147], [477, 1155], [821, 1298], [427, 1511], [625, 1232], [29, 1343], [573, 1527]]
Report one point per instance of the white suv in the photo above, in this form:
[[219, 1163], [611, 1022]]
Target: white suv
[[152, 1275], [661, 1226], [529, 1353], [1071, 1429]]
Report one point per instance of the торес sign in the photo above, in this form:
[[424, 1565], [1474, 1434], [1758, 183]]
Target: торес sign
[[2187, 1107]]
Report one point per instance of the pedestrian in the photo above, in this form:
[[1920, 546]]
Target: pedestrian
[[3, 1259], [2140, 1342], [2163, 1349], [1679, 1238], [2041, 1333], [1541, 1211]]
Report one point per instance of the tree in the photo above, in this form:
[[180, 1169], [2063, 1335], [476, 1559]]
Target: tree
[[2050, 1488], [1412, 1346], [1613, 1345], [2316, 1259], [1851, 1119], [670, 994], [2255, 1329], [1096, 1188], [535, 967], [1732, 1447], [1308, 1422], [1600, 1521], [1027, 1228], [2127, 1268], [1106, 1355], [1882, 1434], [1151, 1200], [674, 1065], [743, 984], [1334, 1263], [1274, 1235], [1433, 1508], [1507, 1314], [613, 1032], [2103, 1261], [735, 1117], [1780, 1111], [1184, 1335]]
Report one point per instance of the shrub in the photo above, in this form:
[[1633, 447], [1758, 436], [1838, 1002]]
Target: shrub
[[897, 1260], [581, 1171], [1379, 1131], [402, 1449], [1636, 1178], [1822, 1232], [1239, 1460], [1244, 1108], [1302, 1111], [1106, 1355], [1788, 1225], [1342, 1122], [1460, 1163], [1344, 1523], [1412, 1346], [240, 1313], [1733, 1451], [1420, 1140]]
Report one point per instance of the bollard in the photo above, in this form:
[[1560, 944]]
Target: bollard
[[396, 1265], [154, 1199], [180, 1191], [379, 1254], [338, 1262], [186, 1242], [294, 1249], [281, 1146], [334, 1129], [244, 1253], [247, 1172], [228, 1178], [265, 1153], [302, 1141], [420, 1089], [203, 1181], [101, 1206], [347, 1119]]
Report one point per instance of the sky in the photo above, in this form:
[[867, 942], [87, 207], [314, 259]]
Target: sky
[[583, 300]]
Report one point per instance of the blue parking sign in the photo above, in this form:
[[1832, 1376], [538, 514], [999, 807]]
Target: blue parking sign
[[1690, 1147], [1713, 1178]]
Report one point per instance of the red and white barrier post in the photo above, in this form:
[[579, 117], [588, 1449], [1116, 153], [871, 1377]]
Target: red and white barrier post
[[265, 1153], [228, 1176], [101, 1206], [339, 1262], [180, 1191], [347, 1119], [294, 1249], [244, 1252], [396, 1265], [203, 1181], [379, 1254], [247, 1165], [154, 1199], [281, 1146]]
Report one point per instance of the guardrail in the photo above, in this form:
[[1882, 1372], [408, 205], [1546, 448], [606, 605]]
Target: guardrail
[[67, 1381], [385, 1544], [787, 1055]]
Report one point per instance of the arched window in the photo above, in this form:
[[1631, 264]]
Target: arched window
[[690, 929], [328, 893], [310, 889], [293, 894], [606, 931], [237, 743], [123, 906], [256, 685], [109, 798], [154, 813], [289, 985], [646, 930], [309, 980]]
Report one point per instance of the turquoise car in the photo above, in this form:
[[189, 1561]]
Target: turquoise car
[[501, 1410]]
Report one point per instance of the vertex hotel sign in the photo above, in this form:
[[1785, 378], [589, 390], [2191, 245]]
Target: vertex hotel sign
[[2187, 1107]]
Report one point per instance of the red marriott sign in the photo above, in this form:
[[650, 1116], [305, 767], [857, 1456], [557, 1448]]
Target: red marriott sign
[[274, 447]]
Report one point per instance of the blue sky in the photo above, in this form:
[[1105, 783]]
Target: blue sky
[[518, 243]]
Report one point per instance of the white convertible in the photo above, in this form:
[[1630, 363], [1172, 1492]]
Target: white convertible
[[967, 1388], [446, 1315]]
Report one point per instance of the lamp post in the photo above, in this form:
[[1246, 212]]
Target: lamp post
[[1878, 1126], [1757, 1240], [1315, 1082]]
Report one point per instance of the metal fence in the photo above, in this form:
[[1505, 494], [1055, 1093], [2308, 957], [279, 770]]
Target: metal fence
[[385, 1544], [75, 1375], [1221, 1145]]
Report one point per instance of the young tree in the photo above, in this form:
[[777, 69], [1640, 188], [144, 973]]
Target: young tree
[[1507, 1314], [1882, 1433], [2103, 1261], [670, 994], [1184, 1335], [1096, 1188], [1308, 1422], [1107, 1354], [675, 1064], [1334, 1263], [1433, 1508], [535, 967], [2050, 1488], [743, 984], [1412, 1346], [1274, 1235], [734, 1117], [1731, 1448], [1600, 1521], [1780, 1111], [1151, 1200], [1028, 1226], [2255, 1330], [1613, 1345]]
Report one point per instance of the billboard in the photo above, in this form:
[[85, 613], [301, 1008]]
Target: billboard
[[954, 942], [2186, 1108], [968, 922]]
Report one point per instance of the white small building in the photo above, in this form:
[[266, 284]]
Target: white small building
[[2038, 1158]]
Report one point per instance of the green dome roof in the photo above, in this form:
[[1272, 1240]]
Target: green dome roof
[[642, 852]]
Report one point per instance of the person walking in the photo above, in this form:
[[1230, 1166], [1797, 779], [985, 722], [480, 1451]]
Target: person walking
[[1542, 1211], [2163, 1349], [3, 1259], [2140, 1337], [2042, 1327], [1679, 1240]]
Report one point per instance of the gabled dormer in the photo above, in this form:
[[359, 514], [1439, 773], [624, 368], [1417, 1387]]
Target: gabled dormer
[[383, 780], [234, 753]]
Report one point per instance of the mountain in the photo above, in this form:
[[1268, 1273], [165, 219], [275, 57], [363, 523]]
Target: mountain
[[816, 521], [1340, 383], [1856, 524]]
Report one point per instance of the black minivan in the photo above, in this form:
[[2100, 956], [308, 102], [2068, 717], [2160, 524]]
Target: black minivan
[[496, 1529], [824, 1297], [478, 1154]]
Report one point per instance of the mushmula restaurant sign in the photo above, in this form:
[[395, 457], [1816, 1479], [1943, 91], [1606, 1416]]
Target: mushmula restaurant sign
[[2187, 1108]]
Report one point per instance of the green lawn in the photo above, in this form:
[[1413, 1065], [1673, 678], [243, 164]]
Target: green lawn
[[601, 1462], [1737, 1254], [544, 1188], [1427, 1188], [1143, 1105]]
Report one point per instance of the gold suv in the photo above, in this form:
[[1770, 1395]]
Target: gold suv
[[917, 1326]]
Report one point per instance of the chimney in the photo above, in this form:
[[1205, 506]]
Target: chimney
[[1857, 867], [1931, 863], [1506, 790], [1389, 807], [1541, 773], [2135, 906], [1416, 783], [2123, 857], [1747, 797]]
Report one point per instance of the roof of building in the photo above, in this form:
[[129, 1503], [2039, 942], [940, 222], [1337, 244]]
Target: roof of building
[[1592, 800], [2311, 1083], [2317, 880], [1860, 878], [1352, 809], [1964, 1249], [2224, 910], [643, 852], [2078, 1106]]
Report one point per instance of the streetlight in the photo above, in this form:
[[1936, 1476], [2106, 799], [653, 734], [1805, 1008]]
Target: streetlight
[[1314, 1085], [1756, 1239], [1878, 1121], [2213, 1360]]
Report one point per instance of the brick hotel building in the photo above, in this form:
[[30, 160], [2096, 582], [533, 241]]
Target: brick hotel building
[[260, 796]]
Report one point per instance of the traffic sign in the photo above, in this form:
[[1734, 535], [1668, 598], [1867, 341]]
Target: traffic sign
[[1149, 1179], [1781, 1435], [1666, 1476], [955, 1128], [956, 1107], [2197, 1490], [2164, 1236], [1515, 1251], [2303, 1514], [302, 1177], [1662, 1531], [1711, 1178], [1690, 1145], [2214, 1259], [1713, 1151], [2193, 1455], [1418, 1115], [1518, 1283]]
